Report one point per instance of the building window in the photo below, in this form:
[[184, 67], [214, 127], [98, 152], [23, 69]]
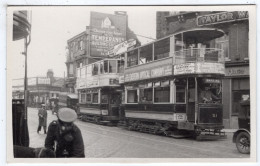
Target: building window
[[223, 43], [81, 45], [70, 69], [83, 97], [240, 89], [132, 96], [88, 98], [95, 97]]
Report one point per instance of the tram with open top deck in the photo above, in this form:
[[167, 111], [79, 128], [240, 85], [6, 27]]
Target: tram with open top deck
[[99, 91], [173, 85]]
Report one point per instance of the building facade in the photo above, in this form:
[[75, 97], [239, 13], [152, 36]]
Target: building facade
[[41, 89], [94, 44], [236, 84]]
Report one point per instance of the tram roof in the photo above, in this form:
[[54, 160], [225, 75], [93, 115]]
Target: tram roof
[[202, 34]]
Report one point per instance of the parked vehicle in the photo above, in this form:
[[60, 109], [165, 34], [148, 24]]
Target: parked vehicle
[[242, 136]]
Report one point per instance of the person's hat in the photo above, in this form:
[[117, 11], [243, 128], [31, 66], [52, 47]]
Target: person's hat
[[67, 115], [43, 105]]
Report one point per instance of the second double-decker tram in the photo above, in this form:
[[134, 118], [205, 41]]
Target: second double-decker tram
[[99, 91], [173, 86]]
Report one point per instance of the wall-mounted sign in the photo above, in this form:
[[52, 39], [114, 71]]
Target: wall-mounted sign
[[44, 80], [237, 71], [222, 17], [106, 31], [186, 68], [31, 81]]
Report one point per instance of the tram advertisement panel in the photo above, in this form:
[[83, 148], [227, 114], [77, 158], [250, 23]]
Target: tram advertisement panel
[[199, 68], [107, 30]]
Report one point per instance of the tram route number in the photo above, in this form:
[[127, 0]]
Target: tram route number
[[179, 117], [214, 115]]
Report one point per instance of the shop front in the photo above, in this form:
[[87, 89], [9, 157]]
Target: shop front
[[236, 88]]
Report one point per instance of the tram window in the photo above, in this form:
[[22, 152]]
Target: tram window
[[101, 67], [83, 97], [180, 93], [120, 66], [132, 58], [146, 95], [88, 98], [105, 66], [210, 93], [161, 94], [132, 96], [104, 99], [112, 66], [95, 97], [162, 49], [146, 54], [95, 69]]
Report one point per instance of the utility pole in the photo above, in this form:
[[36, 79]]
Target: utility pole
[[26, 93]]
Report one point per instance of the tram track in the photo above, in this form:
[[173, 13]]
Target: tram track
[[181, 145]]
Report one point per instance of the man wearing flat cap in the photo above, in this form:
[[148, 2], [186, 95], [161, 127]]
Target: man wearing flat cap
[[64, 137], [42, 114]]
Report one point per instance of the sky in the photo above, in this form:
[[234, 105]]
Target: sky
[[53, 26]]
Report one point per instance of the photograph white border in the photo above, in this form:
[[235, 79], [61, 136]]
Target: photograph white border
[[252, 46]]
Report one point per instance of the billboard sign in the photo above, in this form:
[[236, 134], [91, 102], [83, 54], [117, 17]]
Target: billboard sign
[[122, 47], [106, 31]]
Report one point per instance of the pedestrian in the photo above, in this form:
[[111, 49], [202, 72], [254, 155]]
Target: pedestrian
[[64, 137], [42, 114], [28, 152]]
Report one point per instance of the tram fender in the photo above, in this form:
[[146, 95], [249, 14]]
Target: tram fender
[[185, 125]]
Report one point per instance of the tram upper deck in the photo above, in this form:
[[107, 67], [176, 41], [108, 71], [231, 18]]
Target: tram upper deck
[[188, 52], [99, 74]]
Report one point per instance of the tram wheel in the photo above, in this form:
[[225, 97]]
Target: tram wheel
[[243, 142]]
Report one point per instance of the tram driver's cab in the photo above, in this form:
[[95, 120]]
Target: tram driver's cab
[[209, 91]]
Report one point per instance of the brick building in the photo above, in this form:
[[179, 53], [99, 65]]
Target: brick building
[[105, 31], [234, 43]]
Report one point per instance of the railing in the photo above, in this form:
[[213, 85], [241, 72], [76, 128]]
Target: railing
[[199, 55]]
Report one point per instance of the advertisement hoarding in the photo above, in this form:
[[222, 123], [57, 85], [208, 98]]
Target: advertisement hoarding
[[106, 31]]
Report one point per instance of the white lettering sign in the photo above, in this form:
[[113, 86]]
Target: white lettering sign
[[186, 68]]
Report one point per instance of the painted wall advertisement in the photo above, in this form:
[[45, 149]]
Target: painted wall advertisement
[[106, 31]]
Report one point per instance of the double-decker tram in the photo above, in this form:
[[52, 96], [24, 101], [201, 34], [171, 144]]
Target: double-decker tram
[[99, 91], [173, 86]]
